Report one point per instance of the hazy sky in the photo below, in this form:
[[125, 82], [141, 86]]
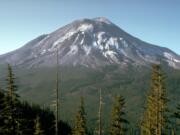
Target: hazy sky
[[154, 21]]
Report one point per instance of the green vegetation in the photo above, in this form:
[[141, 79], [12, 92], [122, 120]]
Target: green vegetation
[[118, 119], [17, 117], [10, 110], [155, 116], [177, 119], [132, 84], [80, 121]]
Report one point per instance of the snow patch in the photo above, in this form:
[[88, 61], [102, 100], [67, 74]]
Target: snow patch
[[168, 56], [73, 50], [100, 37], [111, 54], [177, 61], [86, 27], [76, 38], [120, 38], [87, 49], [103, 20], [172, 64], [82, 41], [95, 44], [107, 47], [101, 47], [43, 52], [113, 42], [63, 38]]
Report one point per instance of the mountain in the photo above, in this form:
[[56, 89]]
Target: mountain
[[94, 54], [91, 43]]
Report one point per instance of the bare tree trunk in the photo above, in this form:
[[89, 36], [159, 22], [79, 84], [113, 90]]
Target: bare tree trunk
[[57, 94], [100, 114]]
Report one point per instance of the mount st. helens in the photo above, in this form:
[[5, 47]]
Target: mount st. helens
[[94, 54], [91, 43]]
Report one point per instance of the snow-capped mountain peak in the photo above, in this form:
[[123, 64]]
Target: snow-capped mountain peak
[[91, 43]]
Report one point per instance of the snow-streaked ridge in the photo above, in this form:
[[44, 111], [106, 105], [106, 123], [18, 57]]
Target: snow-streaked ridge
[[94, 42]]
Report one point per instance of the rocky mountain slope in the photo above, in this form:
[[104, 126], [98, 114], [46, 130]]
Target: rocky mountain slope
[[91, 43]]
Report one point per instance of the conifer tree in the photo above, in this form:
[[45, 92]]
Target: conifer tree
[[23, 122], [118, 120], [177, 113], [10, 100], [155, 116], [38, 128], [80, 120], [177, 117]]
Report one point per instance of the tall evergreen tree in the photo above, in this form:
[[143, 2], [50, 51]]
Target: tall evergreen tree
[[177, 118], [10, 111], [38, 128], [155, 116], [118, 120], [80, 120]]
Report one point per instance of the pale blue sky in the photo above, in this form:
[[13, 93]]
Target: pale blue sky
[[154, 21]]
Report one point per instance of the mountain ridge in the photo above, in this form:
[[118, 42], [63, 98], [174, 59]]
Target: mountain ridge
[[91, 43]]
